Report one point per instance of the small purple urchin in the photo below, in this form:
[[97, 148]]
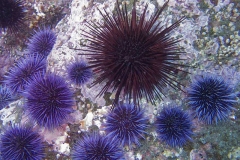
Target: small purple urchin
[[126, 123], [6, 96], [133, 56], [12, 15], [211, 99], [97, 147], [174, 126], [20, 143], [23, 71], [49, 101], [42, 42], [79, 73]]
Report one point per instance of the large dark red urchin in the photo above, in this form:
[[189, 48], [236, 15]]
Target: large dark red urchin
[[134, 56]]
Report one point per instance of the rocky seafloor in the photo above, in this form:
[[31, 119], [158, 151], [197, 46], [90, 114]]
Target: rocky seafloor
[[210, 37]]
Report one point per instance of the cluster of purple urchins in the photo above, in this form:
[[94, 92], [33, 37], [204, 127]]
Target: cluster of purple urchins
[[48, 98], [125, 126], [33, 63], [210, 98], [18, 143], [49, 101]]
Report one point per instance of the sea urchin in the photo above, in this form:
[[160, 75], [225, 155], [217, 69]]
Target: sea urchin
[[174, 126], [42, 42], [12, 15], [211, 98], [19, 143], [96, 147], [49, 100], [23, 71], [134, 56], [126, 123], [79, 73], [6, 96]]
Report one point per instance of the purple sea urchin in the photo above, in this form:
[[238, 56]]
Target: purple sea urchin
[[96, 147], [12, 15], [6, 96], [174, 127], [126, 123], [42, 42], [20, 143], [211, 98], [49, 100], [23, 71], [78, 72], [134, 56]]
